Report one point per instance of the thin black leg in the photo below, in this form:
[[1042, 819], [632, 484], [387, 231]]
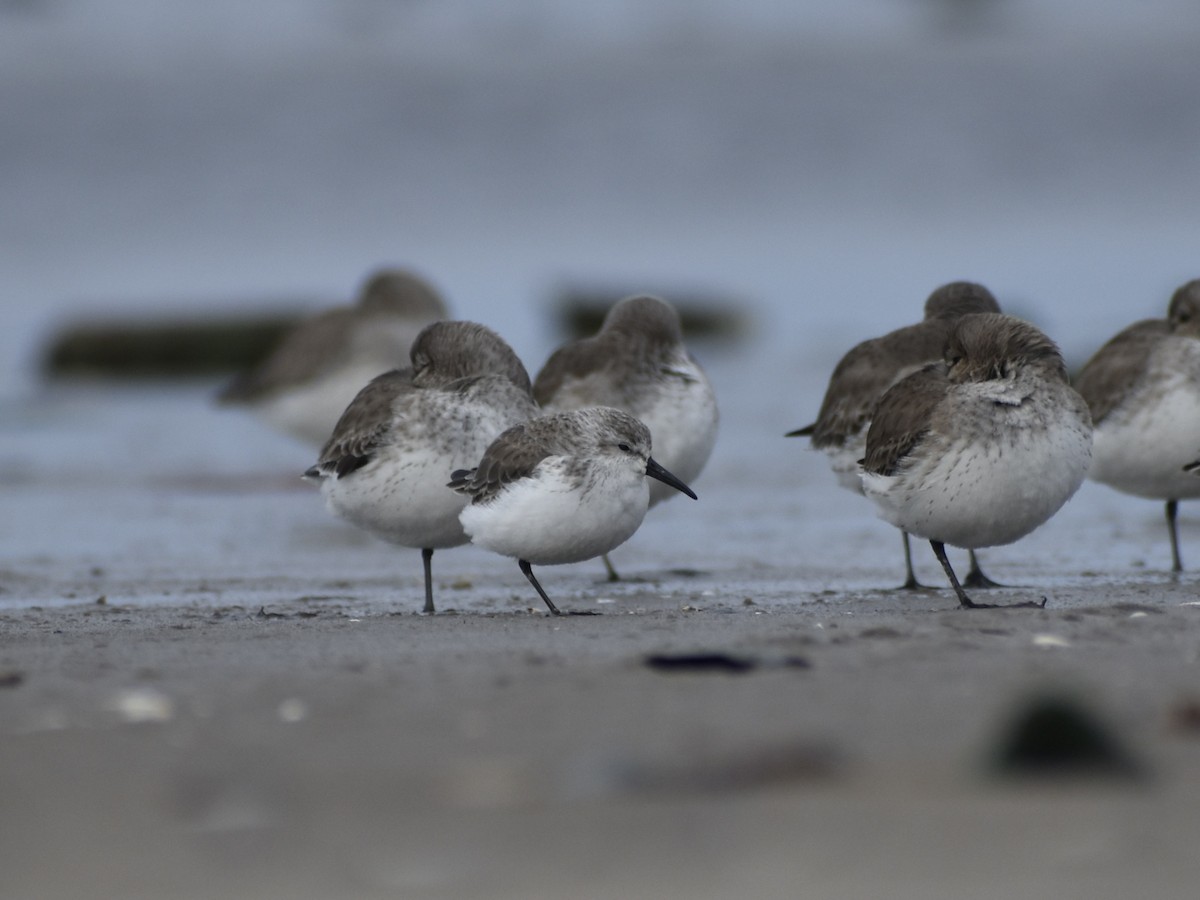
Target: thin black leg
[[1172, 511], [965, 602], [427, 559], [976, 577], [910, 577], [939, 550], [613, 574], [528, 570]]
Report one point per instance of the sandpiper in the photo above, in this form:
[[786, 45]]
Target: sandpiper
[[314, 372], [868, 369], [982, 448], [638, 362], [561, 488], [1143, 388], [385, 467]]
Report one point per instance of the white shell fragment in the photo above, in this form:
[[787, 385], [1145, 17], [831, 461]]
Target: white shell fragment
[[1050, 640], [293, 710], [142, 704]]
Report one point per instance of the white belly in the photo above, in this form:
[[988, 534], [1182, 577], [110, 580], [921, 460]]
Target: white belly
[[546, 520], [681, 413], [401, 495], [981, 495], [402, 499], [683, 430], [1143, 452]]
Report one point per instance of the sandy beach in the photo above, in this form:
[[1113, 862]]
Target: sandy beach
[[331, 747]]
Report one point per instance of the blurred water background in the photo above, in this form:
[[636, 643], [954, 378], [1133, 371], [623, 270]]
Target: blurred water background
[[822, 164]]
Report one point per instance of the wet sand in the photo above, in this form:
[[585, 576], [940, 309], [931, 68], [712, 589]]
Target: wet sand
[[256, 709]]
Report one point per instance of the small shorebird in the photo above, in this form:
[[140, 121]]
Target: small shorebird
[[561, 488], [311, 376], [385, 467], [869, 369], [982, 448], [1143, 388], [638, 362]]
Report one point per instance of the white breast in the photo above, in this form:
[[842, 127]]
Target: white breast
[[402, 494], [991, 484], [681, 414], [548, 519], [1142, 448], [402, 497]]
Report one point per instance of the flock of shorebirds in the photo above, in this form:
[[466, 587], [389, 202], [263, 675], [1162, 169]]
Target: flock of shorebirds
[[964, 429]]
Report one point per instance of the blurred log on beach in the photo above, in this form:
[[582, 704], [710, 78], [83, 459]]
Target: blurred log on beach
[[136, 347]]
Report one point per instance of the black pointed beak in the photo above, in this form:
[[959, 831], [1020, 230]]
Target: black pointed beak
[[654, 470]]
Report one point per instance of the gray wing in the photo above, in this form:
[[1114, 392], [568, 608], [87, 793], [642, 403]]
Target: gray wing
[[902, 418], [864, 373], [859, 379], [512, 456], [302, 353], [569, 362], [1106, 377], [364, 425]]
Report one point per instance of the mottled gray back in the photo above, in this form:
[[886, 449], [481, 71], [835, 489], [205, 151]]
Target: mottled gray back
[[638, 335], [577, 434], [1105, 379], [869, 368]]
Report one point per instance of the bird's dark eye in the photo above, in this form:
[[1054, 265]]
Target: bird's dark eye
[[953, 360], [624, 448]]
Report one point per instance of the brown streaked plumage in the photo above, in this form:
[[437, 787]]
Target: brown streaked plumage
[[365, 423], [1143, 388], [515, 454], [638, 362], [903, 421], [868, 369], [385, 466], [1105, 379], [638, 338], [983, 447], [561, 488]]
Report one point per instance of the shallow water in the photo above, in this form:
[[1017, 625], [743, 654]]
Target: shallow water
[[157, 496]]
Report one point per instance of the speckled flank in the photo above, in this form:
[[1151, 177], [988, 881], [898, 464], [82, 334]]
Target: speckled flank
[[983, 451], [386, 465], [400, 493]]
